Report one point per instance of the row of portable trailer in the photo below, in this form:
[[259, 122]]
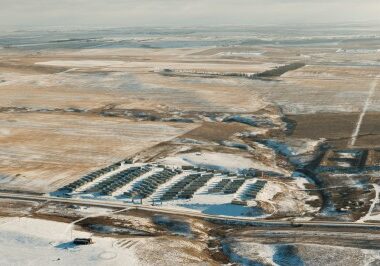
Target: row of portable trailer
[[119, 180], [186, 187], [131, 182], [147, 186], [252, 190], [91, 177], [220, 186], [233, 185], [228, 185]]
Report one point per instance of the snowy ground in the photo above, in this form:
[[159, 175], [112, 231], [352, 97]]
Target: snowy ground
[[215, 204], [218, 161], [26, 241], [249, 253], [369, 216], [286, 199]]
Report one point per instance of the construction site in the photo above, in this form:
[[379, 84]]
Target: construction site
[[158, 184]]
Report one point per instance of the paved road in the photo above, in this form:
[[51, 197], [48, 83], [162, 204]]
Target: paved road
[[191, 213]]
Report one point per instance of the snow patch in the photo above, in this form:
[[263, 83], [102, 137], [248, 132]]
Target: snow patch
[[82, 63], [217, 161]]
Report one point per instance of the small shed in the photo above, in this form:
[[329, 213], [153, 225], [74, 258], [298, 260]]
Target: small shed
[[83, 241]]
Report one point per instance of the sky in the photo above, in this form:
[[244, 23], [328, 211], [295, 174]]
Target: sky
[[115, 13]]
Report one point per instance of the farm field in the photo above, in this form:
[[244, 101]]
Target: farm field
[[39, 152], [251, 147]]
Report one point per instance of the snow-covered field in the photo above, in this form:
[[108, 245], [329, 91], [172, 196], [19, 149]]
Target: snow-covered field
[[27, 241], [82, 63], [34, 163], [220, 67]]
